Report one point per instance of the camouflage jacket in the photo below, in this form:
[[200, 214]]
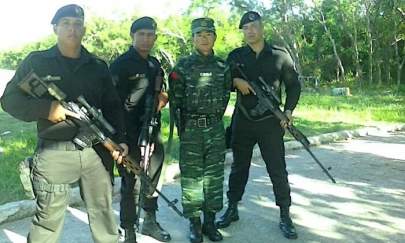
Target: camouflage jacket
[[200, 85]]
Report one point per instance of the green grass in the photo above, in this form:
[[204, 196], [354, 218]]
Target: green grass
[[361, 109], [316, 114], [16, 145]]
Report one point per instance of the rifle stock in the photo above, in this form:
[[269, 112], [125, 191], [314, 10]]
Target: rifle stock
[[264, 94], [135, 168], [33, 85]]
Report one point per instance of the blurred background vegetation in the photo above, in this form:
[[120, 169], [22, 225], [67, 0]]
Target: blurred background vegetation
[[356, 42]]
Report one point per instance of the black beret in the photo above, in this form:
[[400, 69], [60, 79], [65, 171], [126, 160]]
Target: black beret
[[201, 24], [248, 17], [143, 23], [71, 10]]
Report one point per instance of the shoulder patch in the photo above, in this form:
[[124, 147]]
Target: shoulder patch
[[174, 76]]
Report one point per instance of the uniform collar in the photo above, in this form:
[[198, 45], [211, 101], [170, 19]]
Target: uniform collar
[[199, 56], [266, 48], [132, 53], [54, 52]]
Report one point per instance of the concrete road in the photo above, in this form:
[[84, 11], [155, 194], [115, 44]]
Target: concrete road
[[366, 205]]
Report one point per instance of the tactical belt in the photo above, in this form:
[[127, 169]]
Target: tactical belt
[[201, 121], [60, 145]]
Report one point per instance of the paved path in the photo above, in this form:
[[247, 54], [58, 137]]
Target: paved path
[[366, 204]]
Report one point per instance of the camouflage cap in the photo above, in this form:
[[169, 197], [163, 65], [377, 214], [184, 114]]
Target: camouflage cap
[[143, 23], [248, 17], [71, 10], [200, 24]]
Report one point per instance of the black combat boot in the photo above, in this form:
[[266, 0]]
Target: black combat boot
[[127, 235], [230, 215], [195, 230], [286, 224], [209, 228], [153, 229]]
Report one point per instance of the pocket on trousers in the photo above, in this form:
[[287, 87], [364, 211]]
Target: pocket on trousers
[[44, 209]]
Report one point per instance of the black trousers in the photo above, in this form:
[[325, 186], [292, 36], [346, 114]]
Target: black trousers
[[268, 134], [128, 205]]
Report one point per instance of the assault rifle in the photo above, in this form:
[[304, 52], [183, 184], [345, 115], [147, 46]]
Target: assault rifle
[[265, 98], [148, 130], [91, 119], [146, 140]]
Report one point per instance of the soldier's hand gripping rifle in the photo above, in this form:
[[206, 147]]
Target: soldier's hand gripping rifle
[[94, 121], [265, 102]]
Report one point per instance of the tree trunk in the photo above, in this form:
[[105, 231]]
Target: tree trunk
[[291, 48], [386, 63], [388, 71], [399, 71], [335, 53], [399, 61], [289, 39], [370, 43], [379, 77], [167, 57], [352, 36], [356, 49], [337, 74]]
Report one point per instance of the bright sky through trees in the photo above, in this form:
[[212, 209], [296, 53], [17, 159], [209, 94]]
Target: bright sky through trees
[[23, 21]]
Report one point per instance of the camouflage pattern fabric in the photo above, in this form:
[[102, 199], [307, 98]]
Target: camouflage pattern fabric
[[199, 93], [24, 168]]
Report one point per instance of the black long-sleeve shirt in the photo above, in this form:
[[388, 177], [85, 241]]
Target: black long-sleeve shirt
[[87, 76], [274, 64], [137, 80]]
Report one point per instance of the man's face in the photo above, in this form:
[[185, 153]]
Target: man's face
[[204, 41], [253, 32], [144, 39], [70, 31]]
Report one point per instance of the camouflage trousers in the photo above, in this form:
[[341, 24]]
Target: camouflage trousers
[[202, 156]]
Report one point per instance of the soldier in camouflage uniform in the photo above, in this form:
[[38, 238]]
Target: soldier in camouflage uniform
[[199, 93]]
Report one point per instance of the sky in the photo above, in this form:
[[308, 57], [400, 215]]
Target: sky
[[24, 21]]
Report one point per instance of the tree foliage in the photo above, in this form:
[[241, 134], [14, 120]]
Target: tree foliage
[[364, 40]]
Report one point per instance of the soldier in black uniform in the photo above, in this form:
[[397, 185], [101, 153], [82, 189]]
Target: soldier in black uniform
[[58, 161], [274, 64], [139, 81]]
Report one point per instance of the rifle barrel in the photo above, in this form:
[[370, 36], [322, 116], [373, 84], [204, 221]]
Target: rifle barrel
[[268, 91], [171, 204], [320, 164]]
